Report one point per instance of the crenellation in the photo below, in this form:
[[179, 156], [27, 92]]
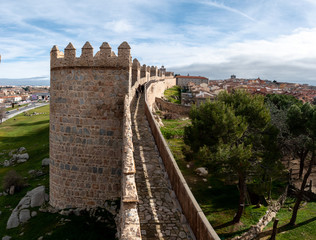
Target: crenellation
[[105, 58], [70, 53], [153, 71], [143, 71], [105, 50], [135, 71]]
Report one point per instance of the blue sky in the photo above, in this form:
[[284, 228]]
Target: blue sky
[[270, 39]]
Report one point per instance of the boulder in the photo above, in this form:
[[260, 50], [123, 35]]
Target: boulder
[[24, 215], [6, 238], [11, 191], [37, 196], [45, 162], [22, 160], [6, 163], [201, 171], [13, 220], [21, 149], [21, 213], [24, 203], [23, 156]]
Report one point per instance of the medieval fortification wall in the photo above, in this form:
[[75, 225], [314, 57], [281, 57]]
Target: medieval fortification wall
[[91, 148]]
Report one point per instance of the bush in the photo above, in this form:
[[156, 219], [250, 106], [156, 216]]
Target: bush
[[12, 178]]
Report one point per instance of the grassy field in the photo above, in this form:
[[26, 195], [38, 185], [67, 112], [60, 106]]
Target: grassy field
[[173, 94], [305, 227], [32, 132], [219, 201]]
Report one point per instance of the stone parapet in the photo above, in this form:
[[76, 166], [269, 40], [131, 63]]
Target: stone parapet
[[104, 58], [129, 220]]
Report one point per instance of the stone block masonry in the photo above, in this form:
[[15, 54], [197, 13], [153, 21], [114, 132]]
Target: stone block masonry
[[87, 109]]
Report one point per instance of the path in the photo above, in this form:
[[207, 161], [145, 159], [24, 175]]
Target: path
[[13, 113], [160, 216]]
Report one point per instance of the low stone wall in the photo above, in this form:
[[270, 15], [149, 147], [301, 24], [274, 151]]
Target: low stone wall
[[255, 230], [191, 209], [172, 107], [129, 220]]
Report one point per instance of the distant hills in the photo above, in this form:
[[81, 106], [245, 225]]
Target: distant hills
[[36, 81]]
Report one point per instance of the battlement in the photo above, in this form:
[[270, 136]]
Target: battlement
[[104, 58]]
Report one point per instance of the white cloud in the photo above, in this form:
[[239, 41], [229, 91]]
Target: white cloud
[[267, 34]]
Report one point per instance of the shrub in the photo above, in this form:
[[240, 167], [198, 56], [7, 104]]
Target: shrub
[[12, 178]]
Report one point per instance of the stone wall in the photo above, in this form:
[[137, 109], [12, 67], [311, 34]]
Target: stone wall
[[173, 107], [157, 88], [129, 220], [87, 108], [191, 209]]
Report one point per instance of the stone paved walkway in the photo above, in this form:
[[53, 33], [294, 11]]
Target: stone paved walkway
[[160, 216]]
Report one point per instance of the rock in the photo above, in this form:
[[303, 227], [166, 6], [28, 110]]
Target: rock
[[0, 213], [33, 214], [31, 172], [24, 203], [37, 196], [40, 238], [21, 149], [13, 220], [11, 191], [77, 212], [201, 171], [6, 238], [11, 152], [24, 215], [22, 160], [23, 156], [6, 163], [45, 162], [204, 180]]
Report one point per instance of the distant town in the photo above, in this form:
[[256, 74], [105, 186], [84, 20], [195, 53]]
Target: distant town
[[195, 89], [12, 95]]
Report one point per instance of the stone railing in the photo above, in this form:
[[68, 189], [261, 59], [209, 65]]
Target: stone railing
[[172, 107], [129, 219], [191, 209]]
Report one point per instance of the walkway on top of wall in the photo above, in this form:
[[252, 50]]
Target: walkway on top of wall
[[159, 212]]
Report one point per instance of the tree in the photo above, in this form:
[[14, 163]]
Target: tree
[[290, 140], [227, 135], [2, 112], [302, 121]]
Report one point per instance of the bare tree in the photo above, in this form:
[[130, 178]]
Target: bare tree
[[2, 112]]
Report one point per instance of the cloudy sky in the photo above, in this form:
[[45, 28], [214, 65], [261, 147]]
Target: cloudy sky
[[270, 39]]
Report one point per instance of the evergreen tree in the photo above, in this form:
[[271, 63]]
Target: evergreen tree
[[229, 136]]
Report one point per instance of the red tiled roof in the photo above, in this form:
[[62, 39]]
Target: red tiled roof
[[197, 77]]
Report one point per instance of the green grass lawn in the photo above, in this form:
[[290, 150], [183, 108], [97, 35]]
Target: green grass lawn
[[305, 227], [173, 94], [32, 132], [219, 201]]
